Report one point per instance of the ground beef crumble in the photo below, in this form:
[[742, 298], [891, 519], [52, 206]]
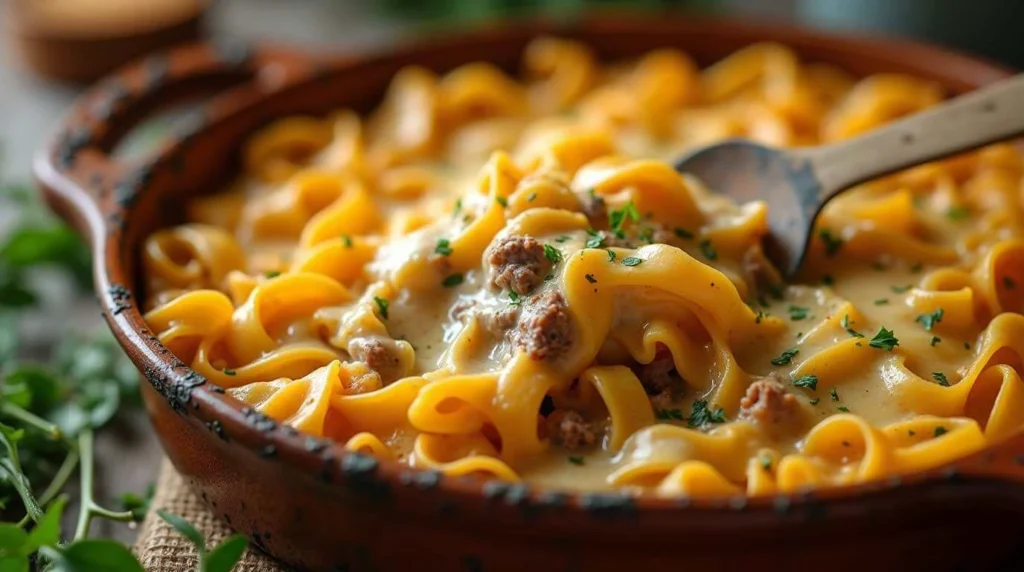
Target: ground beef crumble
[[518, 264], [544, 330], [768, 401], [661, 381], [572, 431], [378, 355]]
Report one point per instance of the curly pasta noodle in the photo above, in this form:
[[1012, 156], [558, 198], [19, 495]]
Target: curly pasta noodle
[[504, 277]]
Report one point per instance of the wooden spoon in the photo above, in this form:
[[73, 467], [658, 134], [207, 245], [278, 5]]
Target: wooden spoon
[[796, 183]]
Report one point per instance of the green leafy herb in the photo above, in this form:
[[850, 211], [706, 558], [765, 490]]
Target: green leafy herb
[[229, 371], [832, 243], [882, 302], [700, 415], [900, 289], [814, 401], [759, 317], [513, 298], [935, 340], [382, 306], [958, 213], [844, 409], [631, 261], [561, 239], [846, 326], [452, 280], [618, 217], [683, 233], [611, 255], [707, 249], [646, 234], [828, 280], [346, 240], [222, 558], [916, 268], [576, 460], [940, 431], [940, 378], [669, 415], [272, 274], [884, 340], [785, 357], [798, 312], [807, 381], [530, 197], [929, 320], [596, 238], [552, 254], [834, 393], [766, 462], [501, 201], [138, 504], [443, 247]]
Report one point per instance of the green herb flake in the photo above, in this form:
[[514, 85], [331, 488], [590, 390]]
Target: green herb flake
[[814, 401], [916, 268], [911, 432], [797, 313], [929, 320], [452, 281], [958, 213], [501, 201], [759, 317], [834, 393], [561, 239], [531, 197], [884, 340], [669, 415], [596, 239], [940, 378], [846, 326], [682, 233], [631, 261], [807, 381], [382, 306], [940, 431], [618, 217], [611, 255], [346, 240], [229, 371], [935, 340], [552, 254], [458, 208], [843, 409], [900, 289], [576, 460], [443, 247], [766, 462], [882, 302], [513, 298], [707, 249], [272, 273], [701, 415], [832, 243], [786, 357], [828, 280]]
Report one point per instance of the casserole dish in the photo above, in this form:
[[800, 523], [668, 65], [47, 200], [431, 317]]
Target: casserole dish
[[318, 506]]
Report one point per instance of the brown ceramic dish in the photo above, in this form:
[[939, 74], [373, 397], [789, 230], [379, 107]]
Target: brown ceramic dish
[[315, 505]]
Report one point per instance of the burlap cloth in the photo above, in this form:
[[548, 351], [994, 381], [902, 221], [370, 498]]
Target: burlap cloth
[[161, 549]]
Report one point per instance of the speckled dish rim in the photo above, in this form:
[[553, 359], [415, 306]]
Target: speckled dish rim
[[97, 195]]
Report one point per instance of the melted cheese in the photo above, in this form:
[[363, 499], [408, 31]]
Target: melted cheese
[[344, 283]]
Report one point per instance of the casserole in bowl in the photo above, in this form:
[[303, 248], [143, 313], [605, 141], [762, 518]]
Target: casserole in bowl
[[572, 313]]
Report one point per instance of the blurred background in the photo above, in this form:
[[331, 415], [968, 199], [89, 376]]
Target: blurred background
[[50, 49]]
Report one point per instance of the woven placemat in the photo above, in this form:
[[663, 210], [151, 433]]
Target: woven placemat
[[161, 549]]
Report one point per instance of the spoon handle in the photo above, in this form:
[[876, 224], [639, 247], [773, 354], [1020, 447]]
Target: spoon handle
[[988, 115]]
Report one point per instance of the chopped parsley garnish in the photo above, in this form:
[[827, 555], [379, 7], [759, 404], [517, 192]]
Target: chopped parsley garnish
[[708, 249], [832, 243], [828, 280], [808, 381], [846, 326], [530, 197], [900, 289], [786, 357], [561, 239], [911, 432], [834, 393], [929, 320], [346, 240], [916, 268], [443, 247], [631, 261], [884, 340], [501, 201], [552, 254], [798, 312], [881, 302], [1008, 283], [618, 217], [843, 409], [229, 371], [683, 233], [576, 460], [647, 235], [814, 401], [940, 377], [382, 306], [701, 415], [452, 281], [513, 298], [776, 290], [935, 340], [272, 274], [958, 213], [669, 415], [759, 317], [611, 255], [458, 208], [596, 239], [590, 278], [940, 431], [766, 462]]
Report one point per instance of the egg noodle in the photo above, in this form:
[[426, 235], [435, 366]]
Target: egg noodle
[[505, 277]]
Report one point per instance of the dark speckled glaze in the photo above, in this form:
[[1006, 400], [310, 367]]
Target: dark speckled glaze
[[317, 506]]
